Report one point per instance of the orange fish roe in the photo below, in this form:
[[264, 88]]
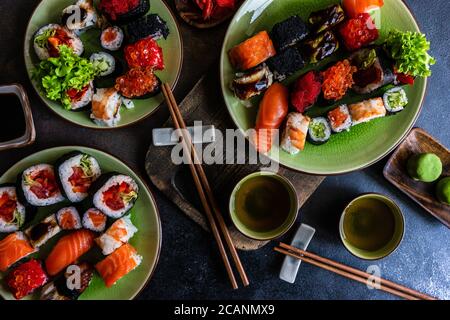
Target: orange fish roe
[[337, 80]]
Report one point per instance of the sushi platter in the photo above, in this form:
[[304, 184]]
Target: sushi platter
[[100, 64], [76, 209]]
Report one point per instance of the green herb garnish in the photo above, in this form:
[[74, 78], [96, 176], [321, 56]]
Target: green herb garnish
[[129, 197], [86, 166], [42, 39]]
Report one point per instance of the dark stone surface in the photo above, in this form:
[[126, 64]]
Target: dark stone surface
[[190, 266]]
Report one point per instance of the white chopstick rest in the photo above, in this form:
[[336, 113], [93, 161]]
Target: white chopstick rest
[[165, 136], [301, 240]]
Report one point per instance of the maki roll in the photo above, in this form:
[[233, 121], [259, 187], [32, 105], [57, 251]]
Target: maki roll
[[288, 32], [112, 38], [138, 83], [68, 218], [104, 63], [26, 278], [340, 119], [14, 248], [395, 100], [47, 40], [327, 18], [319, 131], [144, 53], [320, 47], [76, 172], [294, 136], [106, 107], [80, 16], [367, 110], [115, 195], [249, 84], [80, 99], [151, 25], [123, 11], [94, 220], [306, 90], [38, 187], [12, 212], [286, 63], [118, 234], [42, 232]]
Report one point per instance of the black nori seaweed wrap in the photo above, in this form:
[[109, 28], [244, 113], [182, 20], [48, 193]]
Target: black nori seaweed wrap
[[30, 211], [151, 25], [288, 32], [286, 63], [142, 9]]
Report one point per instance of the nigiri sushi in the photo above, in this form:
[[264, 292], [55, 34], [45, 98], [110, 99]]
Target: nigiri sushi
[[68, 249], [26, 278], [119, 233], [118, 264], [294, 136], [40, 233], [95, 220], [13, 248]]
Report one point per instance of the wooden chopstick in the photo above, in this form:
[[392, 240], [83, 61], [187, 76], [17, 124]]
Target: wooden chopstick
[[205, 192], [352, 273]]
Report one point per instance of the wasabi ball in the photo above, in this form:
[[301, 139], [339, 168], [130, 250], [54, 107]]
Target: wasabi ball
[[426, 167], [443, 190]]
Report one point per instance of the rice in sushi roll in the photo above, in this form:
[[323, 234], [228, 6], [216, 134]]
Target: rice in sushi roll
[[118, 234], [94, 220], [288, 32], [367, 110], [68, 218], [76, 172], [294, 136], [395, 100], [286, 63], [80, 99], [123, 11], [340, 119], [151, 25], [106, 107], [80, 16], [48, 38], [38, 187], [104, 63], [112, 38], [319, 131], [115, 195], [40, 233], [12, 212]]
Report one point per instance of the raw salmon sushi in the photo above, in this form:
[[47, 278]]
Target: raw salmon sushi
[[68, 249], [13, 248], [119, 233], [118, 264], [95, 220]]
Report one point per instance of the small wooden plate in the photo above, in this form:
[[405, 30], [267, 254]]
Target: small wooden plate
[[419, 141]]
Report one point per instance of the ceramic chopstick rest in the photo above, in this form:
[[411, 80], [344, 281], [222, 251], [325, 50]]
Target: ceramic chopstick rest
[[166, 136]]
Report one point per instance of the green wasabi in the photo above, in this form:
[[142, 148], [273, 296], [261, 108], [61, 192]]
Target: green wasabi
[[443, 190], [425, 167]]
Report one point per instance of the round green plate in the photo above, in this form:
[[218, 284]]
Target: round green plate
[[364, 144], [145, 217], [49, 11]]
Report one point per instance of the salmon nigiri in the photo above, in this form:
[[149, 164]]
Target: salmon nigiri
[[13, 248], [355, 7], [118, 264], [68, 249]]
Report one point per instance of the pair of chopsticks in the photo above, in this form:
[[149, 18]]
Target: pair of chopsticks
[[352, 273], [206, 195]]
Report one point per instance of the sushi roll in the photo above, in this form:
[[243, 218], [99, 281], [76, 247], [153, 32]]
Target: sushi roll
[[249, 84], [112, 38], [118, 264], [48, 38], [26, 278], [80, 99], [106, 107], [139, 83], [37, 186], [286, 63], [118, 234], [151, 25], [59, 289], [367, 110], [42, 232], [80, 16], [288, 32], [68, 218], [319, 131], [395, 100], [320, 47], [115, 195], [340, 119], [94, 220], [104, 63], [295, 133], [123, 11], [12, 212], [14, 248], [76, 171]]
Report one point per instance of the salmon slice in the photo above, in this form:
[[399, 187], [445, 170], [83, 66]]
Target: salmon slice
[[118, 264], [97, 219], [13, 248], [68, 221], [68, 249]]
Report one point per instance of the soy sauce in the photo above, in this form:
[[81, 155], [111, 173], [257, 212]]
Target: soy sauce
[[12, 120]]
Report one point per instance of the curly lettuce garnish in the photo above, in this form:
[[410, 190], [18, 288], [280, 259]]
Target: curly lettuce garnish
[[128, 197], [86, 166], [42, 39]]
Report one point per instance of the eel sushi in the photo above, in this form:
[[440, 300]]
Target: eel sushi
[[119, 233], [68, 249], [80, 99], [112, 38], [123, 11], [26, 278], [37, 186], [326, 19], [115, 194], [12, 212], [95, 220], [14, 248], [252, 83], [118, 264], [80, 16], [320, 47], [68, 218], [252, 51], [59, 289], [286, 63], [40, 233], [340, 119], [76, 171], [295, 133], [47, 40], [106, 107], [288, 32], [151, 25], [367, 110]]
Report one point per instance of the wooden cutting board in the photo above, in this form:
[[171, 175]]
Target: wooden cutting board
[[205, 103]]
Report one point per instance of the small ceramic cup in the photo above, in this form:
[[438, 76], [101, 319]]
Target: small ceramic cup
[[277, 232], [391, 246], [30, 133]]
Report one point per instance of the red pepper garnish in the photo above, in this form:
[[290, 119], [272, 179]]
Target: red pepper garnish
[[78, 180], [7, 207], [26, 278], [404, 78], [44, 184]]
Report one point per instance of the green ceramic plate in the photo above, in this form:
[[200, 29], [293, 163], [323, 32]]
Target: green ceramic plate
[[364, 144], [49, 11], [144, 215]]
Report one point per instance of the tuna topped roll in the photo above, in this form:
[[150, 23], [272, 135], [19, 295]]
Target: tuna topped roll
[[12, 212], [37, 186], [115, 195], [76, 173]]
